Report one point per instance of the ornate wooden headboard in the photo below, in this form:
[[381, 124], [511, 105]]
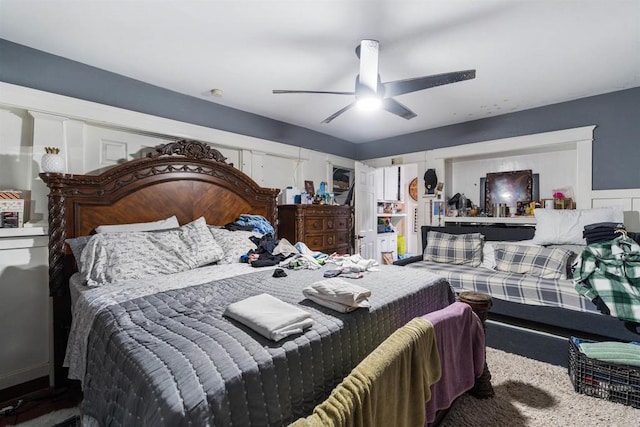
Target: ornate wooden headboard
[[188, 179]]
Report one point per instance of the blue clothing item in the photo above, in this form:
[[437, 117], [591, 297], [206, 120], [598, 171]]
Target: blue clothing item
[[258, 222]]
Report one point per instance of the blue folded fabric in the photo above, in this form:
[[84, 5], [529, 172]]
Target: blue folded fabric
[[258, 222]]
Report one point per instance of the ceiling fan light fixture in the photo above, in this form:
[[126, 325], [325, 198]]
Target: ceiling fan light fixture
[[371, 93], [369, 103]]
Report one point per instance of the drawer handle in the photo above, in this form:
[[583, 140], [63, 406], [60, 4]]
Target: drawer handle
[[316, 242], [317, 225], [330, 240]]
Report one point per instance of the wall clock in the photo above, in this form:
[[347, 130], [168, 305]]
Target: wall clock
[[413, 189]]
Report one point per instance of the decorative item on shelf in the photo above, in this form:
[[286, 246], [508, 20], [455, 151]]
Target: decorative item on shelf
[[52, 161], [430, 181], [563, 198], [462, 205], [438, 192], [309, 188], [11, 209], [558, 202], [413, 189]]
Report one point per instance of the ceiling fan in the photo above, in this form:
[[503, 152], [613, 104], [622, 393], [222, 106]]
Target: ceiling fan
[[369, 88]]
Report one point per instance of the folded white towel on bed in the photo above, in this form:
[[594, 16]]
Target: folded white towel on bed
[[269, 316], [338, 294], [354, 263]]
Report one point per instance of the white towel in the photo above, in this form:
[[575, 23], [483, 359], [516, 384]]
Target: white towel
[[269, 316], [347, 296], [336, 306], [354, 263]]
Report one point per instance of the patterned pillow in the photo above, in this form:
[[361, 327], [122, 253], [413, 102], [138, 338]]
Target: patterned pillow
[[163, 224], [548, 263], [233, 243], [77, 245], [112, 257], [454, 248]]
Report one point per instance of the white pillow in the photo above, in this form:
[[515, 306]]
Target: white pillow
[[565, 226], [488, 256], [163, 224]]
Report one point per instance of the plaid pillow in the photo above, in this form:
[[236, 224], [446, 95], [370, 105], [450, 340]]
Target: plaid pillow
[[548, 263], [454, 248]]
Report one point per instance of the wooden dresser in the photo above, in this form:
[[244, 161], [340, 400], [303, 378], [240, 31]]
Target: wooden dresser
[[323, 228]]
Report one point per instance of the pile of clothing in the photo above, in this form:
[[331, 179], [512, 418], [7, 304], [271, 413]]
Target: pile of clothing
[[270, 251], [602, 231], [248, 222], [608, 272]]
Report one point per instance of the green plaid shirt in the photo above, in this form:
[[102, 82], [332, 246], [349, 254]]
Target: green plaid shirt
[[611, 270]]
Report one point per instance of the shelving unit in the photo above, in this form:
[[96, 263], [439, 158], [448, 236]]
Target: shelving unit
[[342, 181], [388, 241]]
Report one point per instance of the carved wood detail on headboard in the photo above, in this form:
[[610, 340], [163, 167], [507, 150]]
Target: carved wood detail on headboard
[[185, 178], [191, 149]]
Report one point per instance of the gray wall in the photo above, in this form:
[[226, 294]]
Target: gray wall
[[616, 149], [24, 66], [616, 145]]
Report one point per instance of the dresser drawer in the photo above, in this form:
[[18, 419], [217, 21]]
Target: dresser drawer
[[342, 223], [317, 242], [342, 238], [313, 224]]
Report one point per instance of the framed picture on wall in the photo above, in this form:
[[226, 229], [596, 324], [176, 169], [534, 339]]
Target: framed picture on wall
[[508, 187], [535, 190]]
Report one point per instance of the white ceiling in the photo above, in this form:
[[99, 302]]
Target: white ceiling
[[527, 53]]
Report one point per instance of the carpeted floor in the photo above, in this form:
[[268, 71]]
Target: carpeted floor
[[532, 393], [528, 393]]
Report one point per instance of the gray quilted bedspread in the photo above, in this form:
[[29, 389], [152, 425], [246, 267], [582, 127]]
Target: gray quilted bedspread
[[172, 359]]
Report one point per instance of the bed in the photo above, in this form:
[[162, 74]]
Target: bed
[[531, 316], [159, 350]]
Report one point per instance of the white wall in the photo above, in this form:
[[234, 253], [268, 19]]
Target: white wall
[[563, 158], [24, 310], [93, 137], [556, 170]]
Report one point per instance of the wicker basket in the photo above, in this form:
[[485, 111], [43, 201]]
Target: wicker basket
[[616, 383]]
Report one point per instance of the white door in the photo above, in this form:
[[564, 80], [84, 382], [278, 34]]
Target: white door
[[365, 211]]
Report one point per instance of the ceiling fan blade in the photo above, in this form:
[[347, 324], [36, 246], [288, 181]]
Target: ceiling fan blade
[[313, 91], [394, 107], [368, 77], [337, 113], [398, 87]]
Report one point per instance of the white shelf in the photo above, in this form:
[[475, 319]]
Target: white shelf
[[528, 220], [24, 231], [384, 215]]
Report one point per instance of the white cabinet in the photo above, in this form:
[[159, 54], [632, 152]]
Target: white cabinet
[[24, 305], [390, 184], [387, 244]]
